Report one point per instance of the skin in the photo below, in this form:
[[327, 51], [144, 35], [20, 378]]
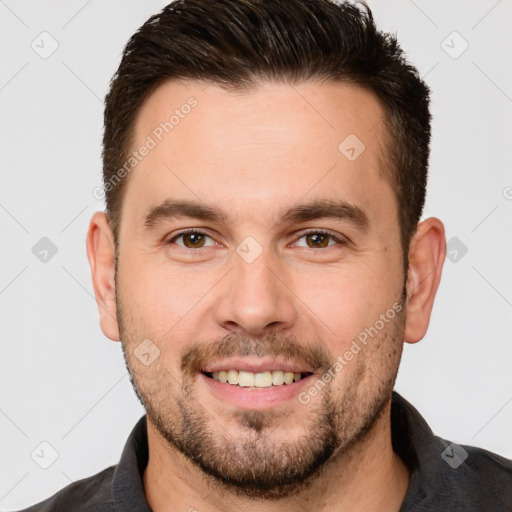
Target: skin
[[253, 154]]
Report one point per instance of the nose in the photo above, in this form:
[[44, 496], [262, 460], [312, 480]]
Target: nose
[[255, 298]]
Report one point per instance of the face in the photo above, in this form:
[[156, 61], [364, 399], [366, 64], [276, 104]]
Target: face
[[259, 244]]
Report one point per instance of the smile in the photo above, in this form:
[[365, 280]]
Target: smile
[[264, 379]]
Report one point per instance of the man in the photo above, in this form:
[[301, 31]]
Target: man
[[262, 262]]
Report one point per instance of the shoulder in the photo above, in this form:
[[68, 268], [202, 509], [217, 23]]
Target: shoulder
[[92, 493], [488, 474], [443, 474], [473, 478]]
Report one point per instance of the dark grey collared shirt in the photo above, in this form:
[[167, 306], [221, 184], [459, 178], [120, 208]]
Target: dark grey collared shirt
[[444, 475]]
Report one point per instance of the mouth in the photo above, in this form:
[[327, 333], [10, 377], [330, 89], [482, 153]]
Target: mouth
[[255, 384], [257, 380]]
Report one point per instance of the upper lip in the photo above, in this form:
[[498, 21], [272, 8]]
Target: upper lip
[[257, 365]]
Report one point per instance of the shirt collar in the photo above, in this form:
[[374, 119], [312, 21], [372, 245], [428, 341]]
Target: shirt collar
[[416, 444], [127, 483]]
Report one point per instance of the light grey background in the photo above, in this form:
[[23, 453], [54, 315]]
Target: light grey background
[[62, 382]]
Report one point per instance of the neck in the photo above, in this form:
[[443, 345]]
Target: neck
[[370, 477]]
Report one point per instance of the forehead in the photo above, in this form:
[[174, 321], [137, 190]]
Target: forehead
[[258, 149]]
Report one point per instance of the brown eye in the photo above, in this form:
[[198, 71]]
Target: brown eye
[[191, 240], [315, 240], [319, 239]]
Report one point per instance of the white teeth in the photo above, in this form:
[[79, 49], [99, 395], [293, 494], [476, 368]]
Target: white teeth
[[258, 380], [232, 377], [263, 380], [288, 377], [245, 379], [277, 378]]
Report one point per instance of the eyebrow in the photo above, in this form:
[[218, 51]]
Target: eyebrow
[[319, 209]]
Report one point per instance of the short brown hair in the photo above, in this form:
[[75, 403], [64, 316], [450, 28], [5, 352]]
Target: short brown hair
[[238, 43]]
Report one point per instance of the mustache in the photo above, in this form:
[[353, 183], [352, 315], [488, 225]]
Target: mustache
[[196, 357]]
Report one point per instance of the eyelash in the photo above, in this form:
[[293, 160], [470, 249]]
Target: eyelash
[[302, 235]]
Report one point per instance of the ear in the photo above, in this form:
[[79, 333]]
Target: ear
[[101, 255], [427, 253]]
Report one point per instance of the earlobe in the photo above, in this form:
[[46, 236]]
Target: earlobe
[[427, 253], [101, 255]]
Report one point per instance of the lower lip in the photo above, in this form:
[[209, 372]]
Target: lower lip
[[256, 399]]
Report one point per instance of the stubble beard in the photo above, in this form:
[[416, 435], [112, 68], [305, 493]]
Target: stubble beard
[[253, 465]]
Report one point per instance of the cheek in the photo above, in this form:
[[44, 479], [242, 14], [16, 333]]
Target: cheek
[[170, 306], [348, 299], [154, 293]]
